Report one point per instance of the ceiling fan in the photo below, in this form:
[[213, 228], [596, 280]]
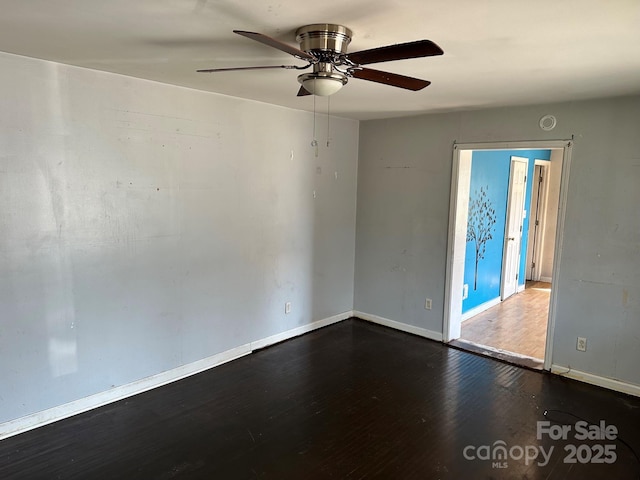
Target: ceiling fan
[[324, 47]]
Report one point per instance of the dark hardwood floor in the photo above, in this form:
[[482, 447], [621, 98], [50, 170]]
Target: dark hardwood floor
[[353, 400]]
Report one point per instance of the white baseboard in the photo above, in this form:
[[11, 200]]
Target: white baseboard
[[480, 308], [39, 419], [295, 332], [423, 332], [521, 288], [545, 279], [610, 383]]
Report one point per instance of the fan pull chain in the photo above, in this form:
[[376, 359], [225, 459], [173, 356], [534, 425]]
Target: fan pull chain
[[328, 119], [314, 142]]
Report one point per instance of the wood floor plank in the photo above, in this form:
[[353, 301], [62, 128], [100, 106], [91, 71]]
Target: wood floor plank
[[353, 400], [519, 324]]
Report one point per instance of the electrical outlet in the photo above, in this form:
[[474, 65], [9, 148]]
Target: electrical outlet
[[427, 304], [287, 308], [581, 344], [465, 291]]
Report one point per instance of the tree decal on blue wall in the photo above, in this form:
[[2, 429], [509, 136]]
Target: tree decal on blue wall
[[480, 226]]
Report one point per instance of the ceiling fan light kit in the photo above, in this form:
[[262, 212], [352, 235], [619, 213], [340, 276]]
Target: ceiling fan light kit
[[324, 47], [322, 85]]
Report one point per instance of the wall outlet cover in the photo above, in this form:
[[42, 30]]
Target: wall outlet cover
[[581, 344]]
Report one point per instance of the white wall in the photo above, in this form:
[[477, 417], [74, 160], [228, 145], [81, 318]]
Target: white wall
[[404, 178], [145, 226]]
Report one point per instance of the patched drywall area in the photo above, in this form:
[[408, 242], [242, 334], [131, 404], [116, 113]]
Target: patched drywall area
[[404, 178], [145, 226]]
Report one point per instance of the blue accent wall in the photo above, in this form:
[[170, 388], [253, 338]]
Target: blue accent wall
[[490, 171]]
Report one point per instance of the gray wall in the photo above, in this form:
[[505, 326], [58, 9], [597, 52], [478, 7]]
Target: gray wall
[[145, 226], [404, 177]]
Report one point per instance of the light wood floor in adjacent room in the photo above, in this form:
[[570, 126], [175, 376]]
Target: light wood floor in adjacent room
[[519, 324]]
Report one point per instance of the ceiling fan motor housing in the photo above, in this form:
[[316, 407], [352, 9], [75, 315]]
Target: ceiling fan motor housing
[[324, 37]]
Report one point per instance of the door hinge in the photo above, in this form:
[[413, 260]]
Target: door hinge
[[537, 223], [533, 264], [517, 276]]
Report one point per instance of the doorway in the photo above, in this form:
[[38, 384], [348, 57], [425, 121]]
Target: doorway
[[504, 257]]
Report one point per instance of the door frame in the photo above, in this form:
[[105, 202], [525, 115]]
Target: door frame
[[510, 206], [456, 243]]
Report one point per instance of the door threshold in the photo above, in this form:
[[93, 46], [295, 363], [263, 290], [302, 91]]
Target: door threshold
[[502, 355]]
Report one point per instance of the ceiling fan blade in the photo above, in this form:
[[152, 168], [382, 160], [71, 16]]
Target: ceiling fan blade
[[272, 42], [392, 79], [303, 92], [211, 70], [402, 51]]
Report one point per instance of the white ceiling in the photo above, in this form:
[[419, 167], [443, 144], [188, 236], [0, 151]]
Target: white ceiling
[[497, 52]]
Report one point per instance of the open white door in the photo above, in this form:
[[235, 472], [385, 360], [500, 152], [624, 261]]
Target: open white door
[[513, 228]]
